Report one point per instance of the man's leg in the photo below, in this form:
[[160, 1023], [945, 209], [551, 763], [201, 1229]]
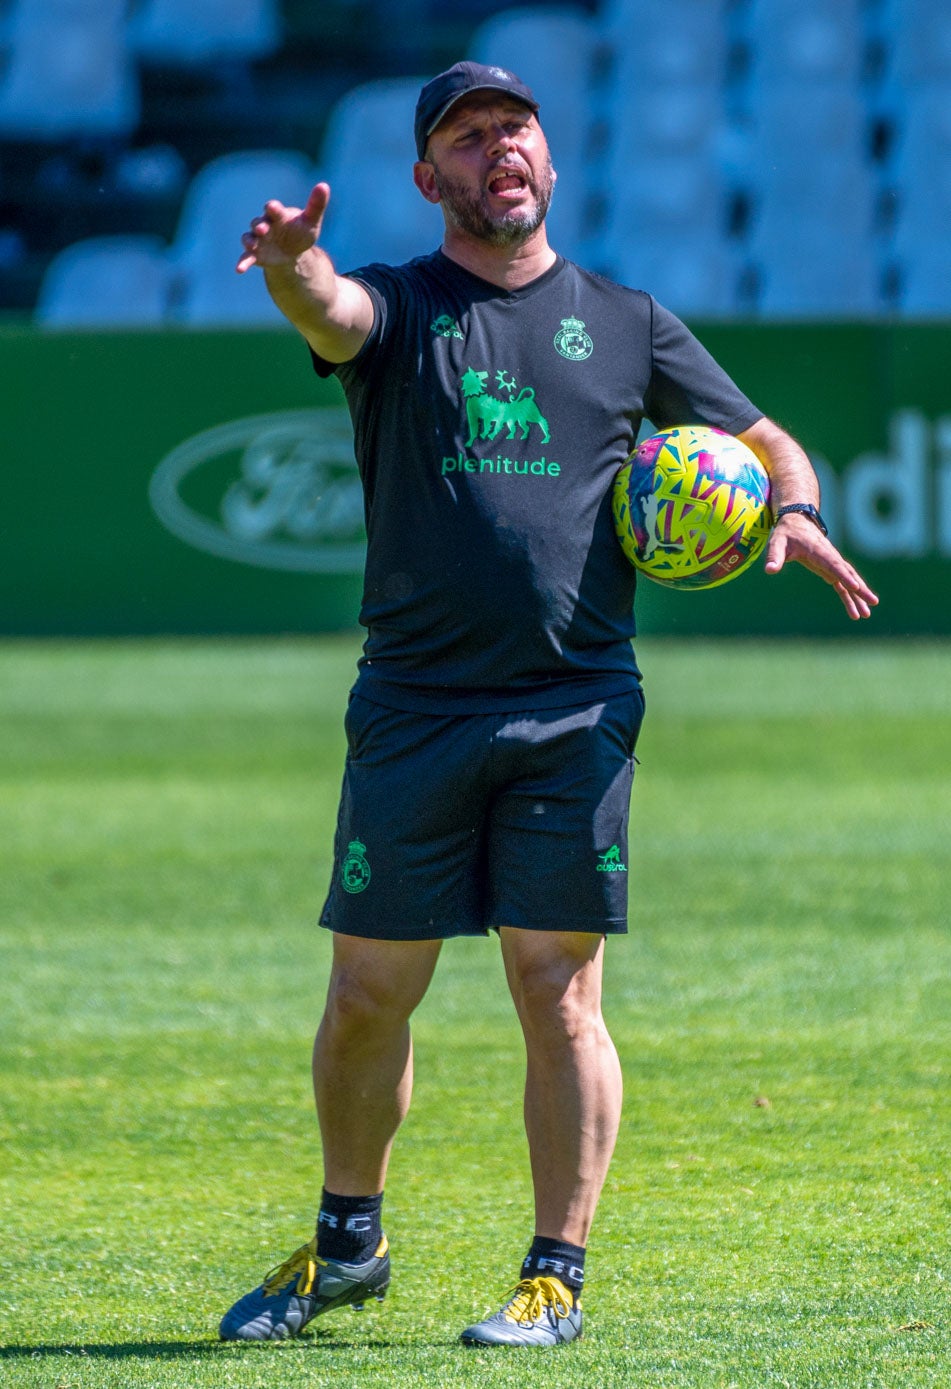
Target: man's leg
[[363, 1077], [572, 1113], [363, 1056], [573, 1077]]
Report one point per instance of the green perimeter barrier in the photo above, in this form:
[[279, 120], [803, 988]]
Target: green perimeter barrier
[[203, 482]]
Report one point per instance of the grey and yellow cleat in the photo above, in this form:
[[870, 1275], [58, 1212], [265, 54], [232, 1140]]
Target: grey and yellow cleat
[[539, 1312], [304, 1287]]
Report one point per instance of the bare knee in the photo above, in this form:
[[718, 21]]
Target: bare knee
[[558, 998], [377, 984], [356, 1001]]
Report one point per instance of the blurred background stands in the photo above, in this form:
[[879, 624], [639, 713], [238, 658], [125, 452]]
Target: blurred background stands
[[754, 158], [108, 108]]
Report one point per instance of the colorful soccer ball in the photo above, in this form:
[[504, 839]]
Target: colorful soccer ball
[[691, 507]]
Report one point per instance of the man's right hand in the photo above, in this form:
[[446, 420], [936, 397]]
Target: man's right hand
[[334, 313], [283, 234]]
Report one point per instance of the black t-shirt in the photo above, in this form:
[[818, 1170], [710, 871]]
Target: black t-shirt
[[489, 425]]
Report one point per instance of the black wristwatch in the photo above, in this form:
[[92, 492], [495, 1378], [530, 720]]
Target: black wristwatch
[[806, 509]]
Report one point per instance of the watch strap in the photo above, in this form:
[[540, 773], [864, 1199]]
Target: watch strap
[[804, 509]]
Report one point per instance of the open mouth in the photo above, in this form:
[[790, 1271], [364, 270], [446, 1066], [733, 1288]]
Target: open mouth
[[507, 183]]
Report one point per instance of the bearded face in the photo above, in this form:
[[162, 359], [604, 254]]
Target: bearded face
[[475, 210]]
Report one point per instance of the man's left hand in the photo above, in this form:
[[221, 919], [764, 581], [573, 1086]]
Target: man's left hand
[[795, 537]]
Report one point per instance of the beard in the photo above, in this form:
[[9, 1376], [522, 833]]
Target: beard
[[468, 212]]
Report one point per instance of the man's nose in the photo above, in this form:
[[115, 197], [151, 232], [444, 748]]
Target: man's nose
[[501, 139]]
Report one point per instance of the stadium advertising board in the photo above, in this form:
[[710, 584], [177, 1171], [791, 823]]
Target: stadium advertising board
[[205, 482]]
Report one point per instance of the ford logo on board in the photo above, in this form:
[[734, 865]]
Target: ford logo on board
[[279, 491]]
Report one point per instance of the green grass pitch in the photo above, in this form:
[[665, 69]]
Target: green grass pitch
[[778, 1210]]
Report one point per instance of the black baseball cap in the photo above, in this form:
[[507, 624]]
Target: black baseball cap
[[462, 78]]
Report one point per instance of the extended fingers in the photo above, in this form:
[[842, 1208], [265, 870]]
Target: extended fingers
[[280, 234], [261, 228], [251, 241], [856, 595], [855, 601], [820, 556]]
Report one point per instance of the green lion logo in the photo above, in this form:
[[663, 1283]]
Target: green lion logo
[[487, 414]]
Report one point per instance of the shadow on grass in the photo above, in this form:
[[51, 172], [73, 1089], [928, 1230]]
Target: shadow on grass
[[190, 1350]]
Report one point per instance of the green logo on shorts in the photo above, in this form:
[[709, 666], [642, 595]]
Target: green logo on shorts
[[611, 861], [355, 871]]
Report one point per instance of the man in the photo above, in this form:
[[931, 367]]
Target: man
[[495, 391]]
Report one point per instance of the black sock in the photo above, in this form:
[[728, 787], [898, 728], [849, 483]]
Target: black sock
[[348, 1227], [554, 1258]]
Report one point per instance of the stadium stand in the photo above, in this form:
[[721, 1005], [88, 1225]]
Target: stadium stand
[[375, 212], [810, 193], [739, 157], [225, 194], [107, 282], [556, 52], [664, 221], [920, 182], [918, 38], [69, 72], [191, 33]]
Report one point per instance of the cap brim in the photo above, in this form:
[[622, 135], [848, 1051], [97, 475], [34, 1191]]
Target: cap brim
[[482, 87]]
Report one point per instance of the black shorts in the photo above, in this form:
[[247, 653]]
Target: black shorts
[[453, 824]]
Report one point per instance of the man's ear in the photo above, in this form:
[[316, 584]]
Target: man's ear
[[424, 176]]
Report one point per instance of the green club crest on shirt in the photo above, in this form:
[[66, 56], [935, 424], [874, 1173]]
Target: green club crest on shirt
[[572, 341], [445, 327], [355, 871]]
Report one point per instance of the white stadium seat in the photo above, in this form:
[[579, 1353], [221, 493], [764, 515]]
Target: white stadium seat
[[666, 41], [920, 176], [917, 37], [551, 48], [814, 275], [193, 33], [376, 212], [925, 283], [220, 203], [106, 282], [805, 41], [691, 277], [664, 230], [68, 73]]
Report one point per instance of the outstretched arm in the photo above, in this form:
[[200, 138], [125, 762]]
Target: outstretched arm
[[333, 313], [792, 479]]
